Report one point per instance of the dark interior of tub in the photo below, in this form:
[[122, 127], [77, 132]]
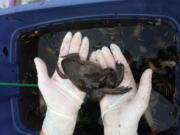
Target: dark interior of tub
[[145, 43]]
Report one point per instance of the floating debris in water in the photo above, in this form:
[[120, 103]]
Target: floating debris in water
[[161, 114]]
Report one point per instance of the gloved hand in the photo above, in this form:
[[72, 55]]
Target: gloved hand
[[62, 97], [121, 113]]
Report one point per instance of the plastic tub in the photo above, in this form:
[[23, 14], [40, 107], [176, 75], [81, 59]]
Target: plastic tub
[[15, 22]]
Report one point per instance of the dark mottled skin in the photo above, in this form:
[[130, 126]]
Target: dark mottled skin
[[91, 78]]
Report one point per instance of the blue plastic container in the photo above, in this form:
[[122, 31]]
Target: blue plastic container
[[15, 20]]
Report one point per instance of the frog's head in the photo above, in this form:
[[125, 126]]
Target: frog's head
[[72, 56]]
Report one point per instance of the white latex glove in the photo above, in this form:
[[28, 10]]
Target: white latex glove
[[121, 113], [63, 98]]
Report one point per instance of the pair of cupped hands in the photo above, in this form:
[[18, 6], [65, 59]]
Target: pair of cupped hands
[[120, 113]]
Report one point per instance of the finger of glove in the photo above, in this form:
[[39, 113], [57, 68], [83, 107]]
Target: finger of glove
[[93, 57], [41, 68], [141, 100], [64, 49], [75, 43], [110, 62], [119, 58], [55, 74], [84, 49], [100, 59]]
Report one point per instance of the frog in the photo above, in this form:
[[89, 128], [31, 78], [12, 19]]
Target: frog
[[91, 78]]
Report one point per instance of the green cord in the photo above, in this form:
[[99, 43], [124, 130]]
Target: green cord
[[7, 84]]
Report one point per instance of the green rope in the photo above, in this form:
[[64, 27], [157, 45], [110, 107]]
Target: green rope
[[8, 84]]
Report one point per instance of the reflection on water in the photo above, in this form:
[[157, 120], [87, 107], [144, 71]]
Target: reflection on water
[[145, 44]]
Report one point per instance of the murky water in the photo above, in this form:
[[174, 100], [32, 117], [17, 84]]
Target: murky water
[[147, 43]]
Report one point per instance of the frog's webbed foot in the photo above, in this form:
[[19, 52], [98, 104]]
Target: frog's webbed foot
[[97, 94], [115, 91], [60, 73]]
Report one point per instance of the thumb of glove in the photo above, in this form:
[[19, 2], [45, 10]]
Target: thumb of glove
[[41, 69], [142, 97]]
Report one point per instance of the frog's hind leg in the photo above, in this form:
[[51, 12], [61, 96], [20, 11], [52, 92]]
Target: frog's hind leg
[[120, 73], [114, 91], [60, 73]]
